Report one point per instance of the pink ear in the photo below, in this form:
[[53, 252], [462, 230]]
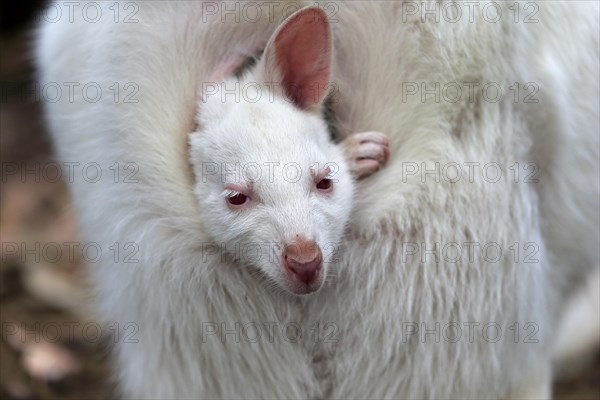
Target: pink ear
[[300, 52]]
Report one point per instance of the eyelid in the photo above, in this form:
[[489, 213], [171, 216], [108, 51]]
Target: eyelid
[[230, 193], [233, 190], [324, 174]]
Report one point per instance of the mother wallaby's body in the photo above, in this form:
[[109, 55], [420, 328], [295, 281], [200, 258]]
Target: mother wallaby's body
[[424, 294], [398, 280]]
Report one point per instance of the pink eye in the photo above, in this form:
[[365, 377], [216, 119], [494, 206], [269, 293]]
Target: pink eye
[[325, 185], [236, 196], [238, 199]]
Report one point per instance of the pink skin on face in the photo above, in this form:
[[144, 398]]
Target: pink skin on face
[[303, 263]]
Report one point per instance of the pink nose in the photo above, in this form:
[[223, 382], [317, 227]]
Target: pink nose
[[303, 259]]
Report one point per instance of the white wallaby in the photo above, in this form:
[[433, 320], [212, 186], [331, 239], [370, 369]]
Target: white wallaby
[[263, 176], [449, 286]]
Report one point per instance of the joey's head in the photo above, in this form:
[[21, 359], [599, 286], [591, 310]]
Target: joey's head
[[274, 191]]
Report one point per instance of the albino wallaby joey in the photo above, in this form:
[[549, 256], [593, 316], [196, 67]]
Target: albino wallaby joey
[[266, 171]]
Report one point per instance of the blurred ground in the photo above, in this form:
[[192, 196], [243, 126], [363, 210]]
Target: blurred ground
[[50, 346]]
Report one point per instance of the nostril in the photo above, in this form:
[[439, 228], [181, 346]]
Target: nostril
[[291, 267], [303, 260], [306, 272]]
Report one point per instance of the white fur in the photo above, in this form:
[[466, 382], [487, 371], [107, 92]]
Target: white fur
[[171, 292]]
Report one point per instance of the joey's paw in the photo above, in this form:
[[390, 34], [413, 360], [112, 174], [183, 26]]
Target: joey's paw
[[366, 152]]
